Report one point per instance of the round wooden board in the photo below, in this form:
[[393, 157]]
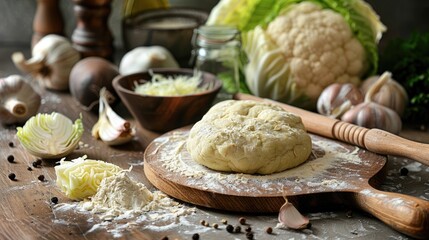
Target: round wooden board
[[332, 167]]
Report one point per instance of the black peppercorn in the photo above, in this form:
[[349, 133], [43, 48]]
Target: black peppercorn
[[12, 176], [229, 228], [269, 230], [39, 161], [41, 178], [54, 200], [248, 229], [11, 144], [224, 221], [203, 222], [164, 238], [34, 164], [237, 229], [215, 226], [196, 236], [404, 171], [29, 168], [249, 235], [10, 158], [242, 220]]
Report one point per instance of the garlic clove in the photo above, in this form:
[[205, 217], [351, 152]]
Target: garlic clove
[[290, 217], [110, 127]]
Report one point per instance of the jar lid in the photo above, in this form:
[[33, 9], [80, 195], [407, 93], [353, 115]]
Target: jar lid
[[215, 35]]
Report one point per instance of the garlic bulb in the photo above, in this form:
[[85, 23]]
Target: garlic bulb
[[110, 127], [52, 60], [337, 98], [18, 100], [370, 114], [141, 59], [390, 94]]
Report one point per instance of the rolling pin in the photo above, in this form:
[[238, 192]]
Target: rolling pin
[[374, 140]]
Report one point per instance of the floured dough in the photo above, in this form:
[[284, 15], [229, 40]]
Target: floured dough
[[249, 137]]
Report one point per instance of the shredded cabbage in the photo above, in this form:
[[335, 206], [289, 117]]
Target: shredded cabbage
[[81, 177], [171, 85], [50, 135]]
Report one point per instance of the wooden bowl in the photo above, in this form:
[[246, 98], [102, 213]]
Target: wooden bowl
[[165, 113]]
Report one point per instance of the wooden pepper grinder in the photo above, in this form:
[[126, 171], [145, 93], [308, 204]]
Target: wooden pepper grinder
[[47, 20], [92, 36]]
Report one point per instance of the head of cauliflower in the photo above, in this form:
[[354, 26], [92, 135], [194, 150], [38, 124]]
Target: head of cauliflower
[[302, 51]]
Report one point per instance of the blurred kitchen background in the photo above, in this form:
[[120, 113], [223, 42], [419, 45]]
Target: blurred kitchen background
[[401, 18]]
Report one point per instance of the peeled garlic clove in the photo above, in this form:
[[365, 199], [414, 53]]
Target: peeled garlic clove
[[374, 115], [18, 100], [337, 98], [290, 217], [52, 60], [390, 94]]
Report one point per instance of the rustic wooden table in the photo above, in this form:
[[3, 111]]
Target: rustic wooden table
[[26, 211]]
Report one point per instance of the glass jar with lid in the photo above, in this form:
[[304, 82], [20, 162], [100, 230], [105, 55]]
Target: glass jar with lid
[[217, 50]]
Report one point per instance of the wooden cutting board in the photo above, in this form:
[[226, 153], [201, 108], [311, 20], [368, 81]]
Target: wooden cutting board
[[335, 174]]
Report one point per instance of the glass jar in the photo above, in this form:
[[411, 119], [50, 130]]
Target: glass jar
[[217, 50]]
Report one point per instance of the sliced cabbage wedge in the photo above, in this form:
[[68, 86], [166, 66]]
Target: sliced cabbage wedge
[[50, 136], [80, 178]]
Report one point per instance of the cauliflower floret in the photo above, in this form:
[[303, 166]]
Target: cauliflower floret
[[318, 48]]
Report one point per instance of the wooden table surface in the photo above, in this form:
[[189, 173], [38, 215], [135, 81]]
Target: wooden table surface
[[26, 211]]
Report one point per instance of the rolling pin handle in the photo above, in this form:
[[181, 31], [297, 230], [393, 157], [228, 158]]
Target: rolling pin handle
[[406, 214], [383, 142]]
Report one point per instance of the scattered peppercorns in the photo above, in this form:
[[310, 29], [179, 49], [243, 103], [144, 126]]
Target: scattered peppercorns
[[54, 200], [242, 220], [215, 226], [237, 229], [12, 176], [404, 171], [229, 228], [269, 230], [196, 236], [41, 178], [249, 235], [10, 158]]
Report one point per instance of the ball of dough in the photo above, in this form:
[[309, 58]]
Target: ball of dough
[[249, 137]]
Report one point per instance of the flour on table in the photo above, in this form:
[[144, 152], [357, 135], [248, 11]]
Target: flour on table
[[119, 196]]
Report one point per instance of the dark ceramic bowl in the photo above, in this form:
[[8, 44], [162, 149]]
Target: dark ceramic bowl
[[165, 113], [171, 28]]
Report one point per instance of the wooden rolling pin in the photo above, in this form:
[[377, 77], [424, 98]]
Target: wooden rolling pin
[[374, 140]]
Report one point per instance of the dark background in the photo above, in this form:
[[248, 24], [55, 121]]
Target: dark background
[[400, 16]]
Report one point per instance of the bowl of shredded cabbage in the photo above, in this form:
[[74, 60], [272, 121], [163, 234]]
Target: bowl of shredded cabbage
[[164, 99]]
